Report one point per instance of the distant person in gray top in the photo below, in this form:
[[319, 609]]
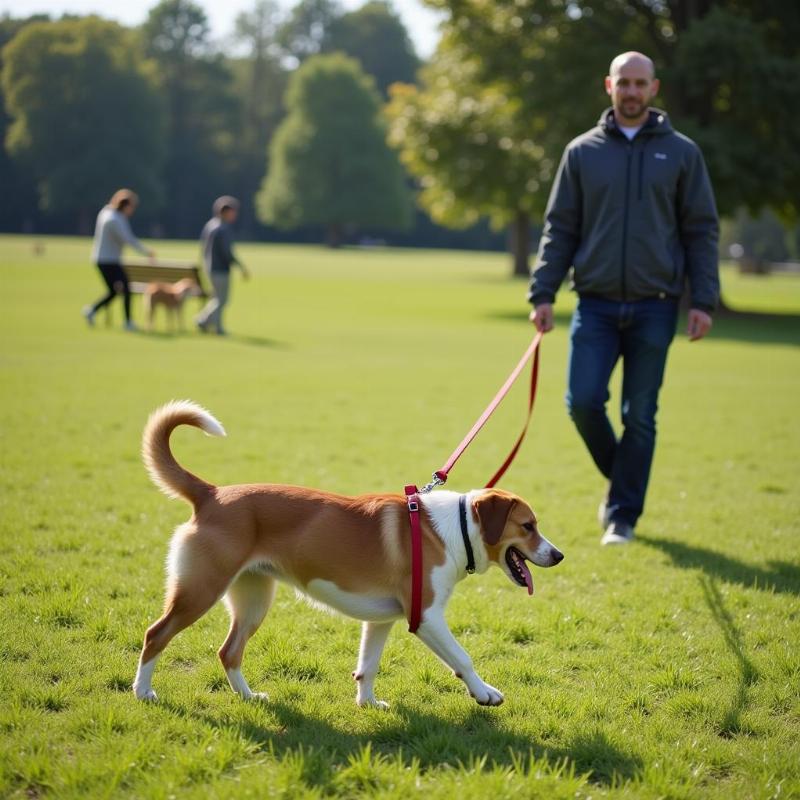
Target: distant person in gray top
[[112, 232], [218, 255], [632, 213]]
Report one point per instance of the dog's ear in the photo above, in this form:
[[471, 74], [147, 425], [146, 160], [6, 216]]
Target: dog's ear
[[493, 510]]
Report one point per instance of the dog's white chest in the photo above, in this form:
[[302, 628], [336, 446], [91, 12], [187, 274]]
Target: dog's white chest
[[358, 606]]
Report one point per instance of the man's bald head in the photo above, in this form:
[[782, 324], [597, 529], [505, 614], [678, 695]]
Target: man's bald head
[[631, 84], [633, 59]]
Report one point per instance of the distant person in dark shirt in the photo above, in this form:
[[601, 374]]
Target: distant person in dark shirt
[[218, 255]]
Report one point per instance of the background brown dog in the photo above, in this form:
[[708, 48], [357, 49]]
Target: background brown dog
[[172, 296]]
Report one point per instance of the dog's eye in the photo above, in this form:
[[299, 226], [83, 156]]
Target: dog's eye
[[528, 526]]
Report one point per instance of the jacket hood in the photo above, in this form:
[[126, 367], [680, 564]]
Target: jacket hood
[[657, 122]]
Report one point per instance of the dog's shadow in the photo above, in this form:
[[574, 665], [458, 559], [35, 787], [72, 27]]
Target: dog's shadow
[[427, 740]]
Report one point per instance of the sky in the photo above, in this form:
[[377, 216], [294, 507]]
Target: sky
[[420, 21]]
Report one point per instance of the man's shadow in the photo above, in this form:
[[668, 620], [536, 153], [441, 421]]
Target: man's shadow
[[426, 740], [731, 723], [777, 576]]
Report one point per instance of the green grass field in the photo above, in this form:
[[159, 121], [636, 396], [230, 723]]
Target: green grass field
[[667, 669]]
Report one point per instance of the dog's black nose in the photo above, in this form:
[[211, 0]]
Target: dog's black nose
[[557, 556]]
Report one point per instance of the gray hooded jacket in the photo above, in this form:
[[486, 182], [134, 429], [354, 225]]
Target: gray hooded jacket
[[634, 219]]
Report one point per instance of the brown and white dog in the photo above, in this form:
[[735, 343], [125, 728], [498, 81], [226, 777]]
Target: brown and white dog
[[172, 297], [351, 554]]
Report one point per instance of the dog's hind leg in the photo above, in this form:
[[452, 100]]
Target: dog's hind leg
[[182, 609], [248, 599], [373, 639], [147, 303], [193, 586]]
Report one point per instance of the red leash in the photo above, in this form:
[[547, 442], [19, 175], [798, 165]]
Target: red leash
[[440, 476]]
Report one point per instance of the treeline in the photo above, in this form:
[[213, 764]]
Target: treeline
[[90, 105], [294, 113]]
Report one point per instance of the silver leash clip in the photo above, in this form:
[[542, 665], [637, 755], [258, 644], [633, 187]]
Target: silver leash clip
[[437, 481]]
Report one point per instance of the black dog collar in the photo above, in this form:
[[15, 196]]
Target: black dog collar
[[462, 512]]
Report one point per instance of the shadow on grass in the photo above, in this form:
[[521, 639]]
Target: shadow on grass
[[432, 742], [730, 724], [777, 576], [740, 326], [757, 328], [237, 338]]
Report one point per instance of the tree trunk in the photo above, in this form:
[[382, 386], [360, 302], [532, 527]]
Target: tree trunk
[[520, 236], [84, 221], [333, 237]]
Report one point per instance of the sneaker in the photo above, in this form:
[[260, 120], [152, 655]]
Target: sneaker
[[201, 326], [603, 516], [617, 532], [88, 314], [131, 326]]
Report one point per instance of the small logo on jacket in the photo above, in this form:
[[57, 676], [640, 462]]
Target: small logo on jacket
[[662, 156]]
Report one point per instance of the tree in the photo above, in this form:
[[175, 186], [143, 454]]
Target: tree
[[203, 113], [729, 69], [18, 201], [548, 61], [377, 38], [471, 149], [304, 34], [329, 161], [261, 82], [86, 116], [374, 35]]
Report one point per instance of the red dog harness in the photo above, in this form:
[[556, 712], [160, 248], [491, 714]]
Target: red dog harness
[[440, 476]]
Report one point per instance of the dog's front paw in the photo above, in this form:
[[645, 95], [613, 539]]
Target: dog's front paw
[[488, 696], [257, 697], [373, 703], [147, 696]]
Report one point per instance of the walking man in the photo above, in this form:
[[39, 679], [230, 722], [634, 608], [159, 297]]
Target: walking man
[[218, 255], [632, 213]]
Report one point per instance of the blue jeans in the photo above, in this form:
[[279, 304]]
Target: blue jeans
[[602, 332]]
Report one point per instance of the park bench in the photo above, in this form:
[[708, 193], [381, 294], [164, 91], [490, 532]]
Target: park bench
[[140, 273]]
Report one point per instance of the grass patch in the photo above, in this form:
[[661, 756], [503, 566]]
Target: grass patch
[[666, 669]]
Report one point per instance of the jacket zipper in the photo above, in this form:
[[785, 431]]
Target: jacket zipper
[[629, 153], [641, 171]]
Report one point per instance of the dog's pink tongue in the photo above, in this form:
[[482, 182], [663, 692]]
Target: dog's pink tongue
[[528, 578]]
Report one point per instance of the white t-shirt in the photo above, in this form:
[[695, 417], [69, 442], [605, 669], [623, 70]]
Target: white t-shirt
[[630, 132]]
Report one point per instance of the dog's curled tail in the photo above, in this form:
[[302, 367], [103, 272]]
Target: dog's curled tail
[[164, 470]]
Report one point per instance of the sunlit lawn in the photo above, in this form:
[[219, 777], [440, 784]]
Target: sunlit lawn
[[670, 668]]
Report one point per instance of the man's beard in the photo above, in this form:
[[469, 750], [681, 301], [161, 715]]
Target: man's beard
[[637, 106]]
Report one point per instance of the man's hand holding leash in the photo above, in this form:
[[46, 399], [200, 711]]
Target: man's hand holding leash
[[542, 317]]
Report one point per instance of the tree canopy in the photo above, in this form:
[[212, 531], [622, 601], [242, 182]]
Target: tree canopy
[[202, 112], [86, 115], [472, 149], [330, 164], [729, 71], [88, 105], [18, 200], [375, 36]]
